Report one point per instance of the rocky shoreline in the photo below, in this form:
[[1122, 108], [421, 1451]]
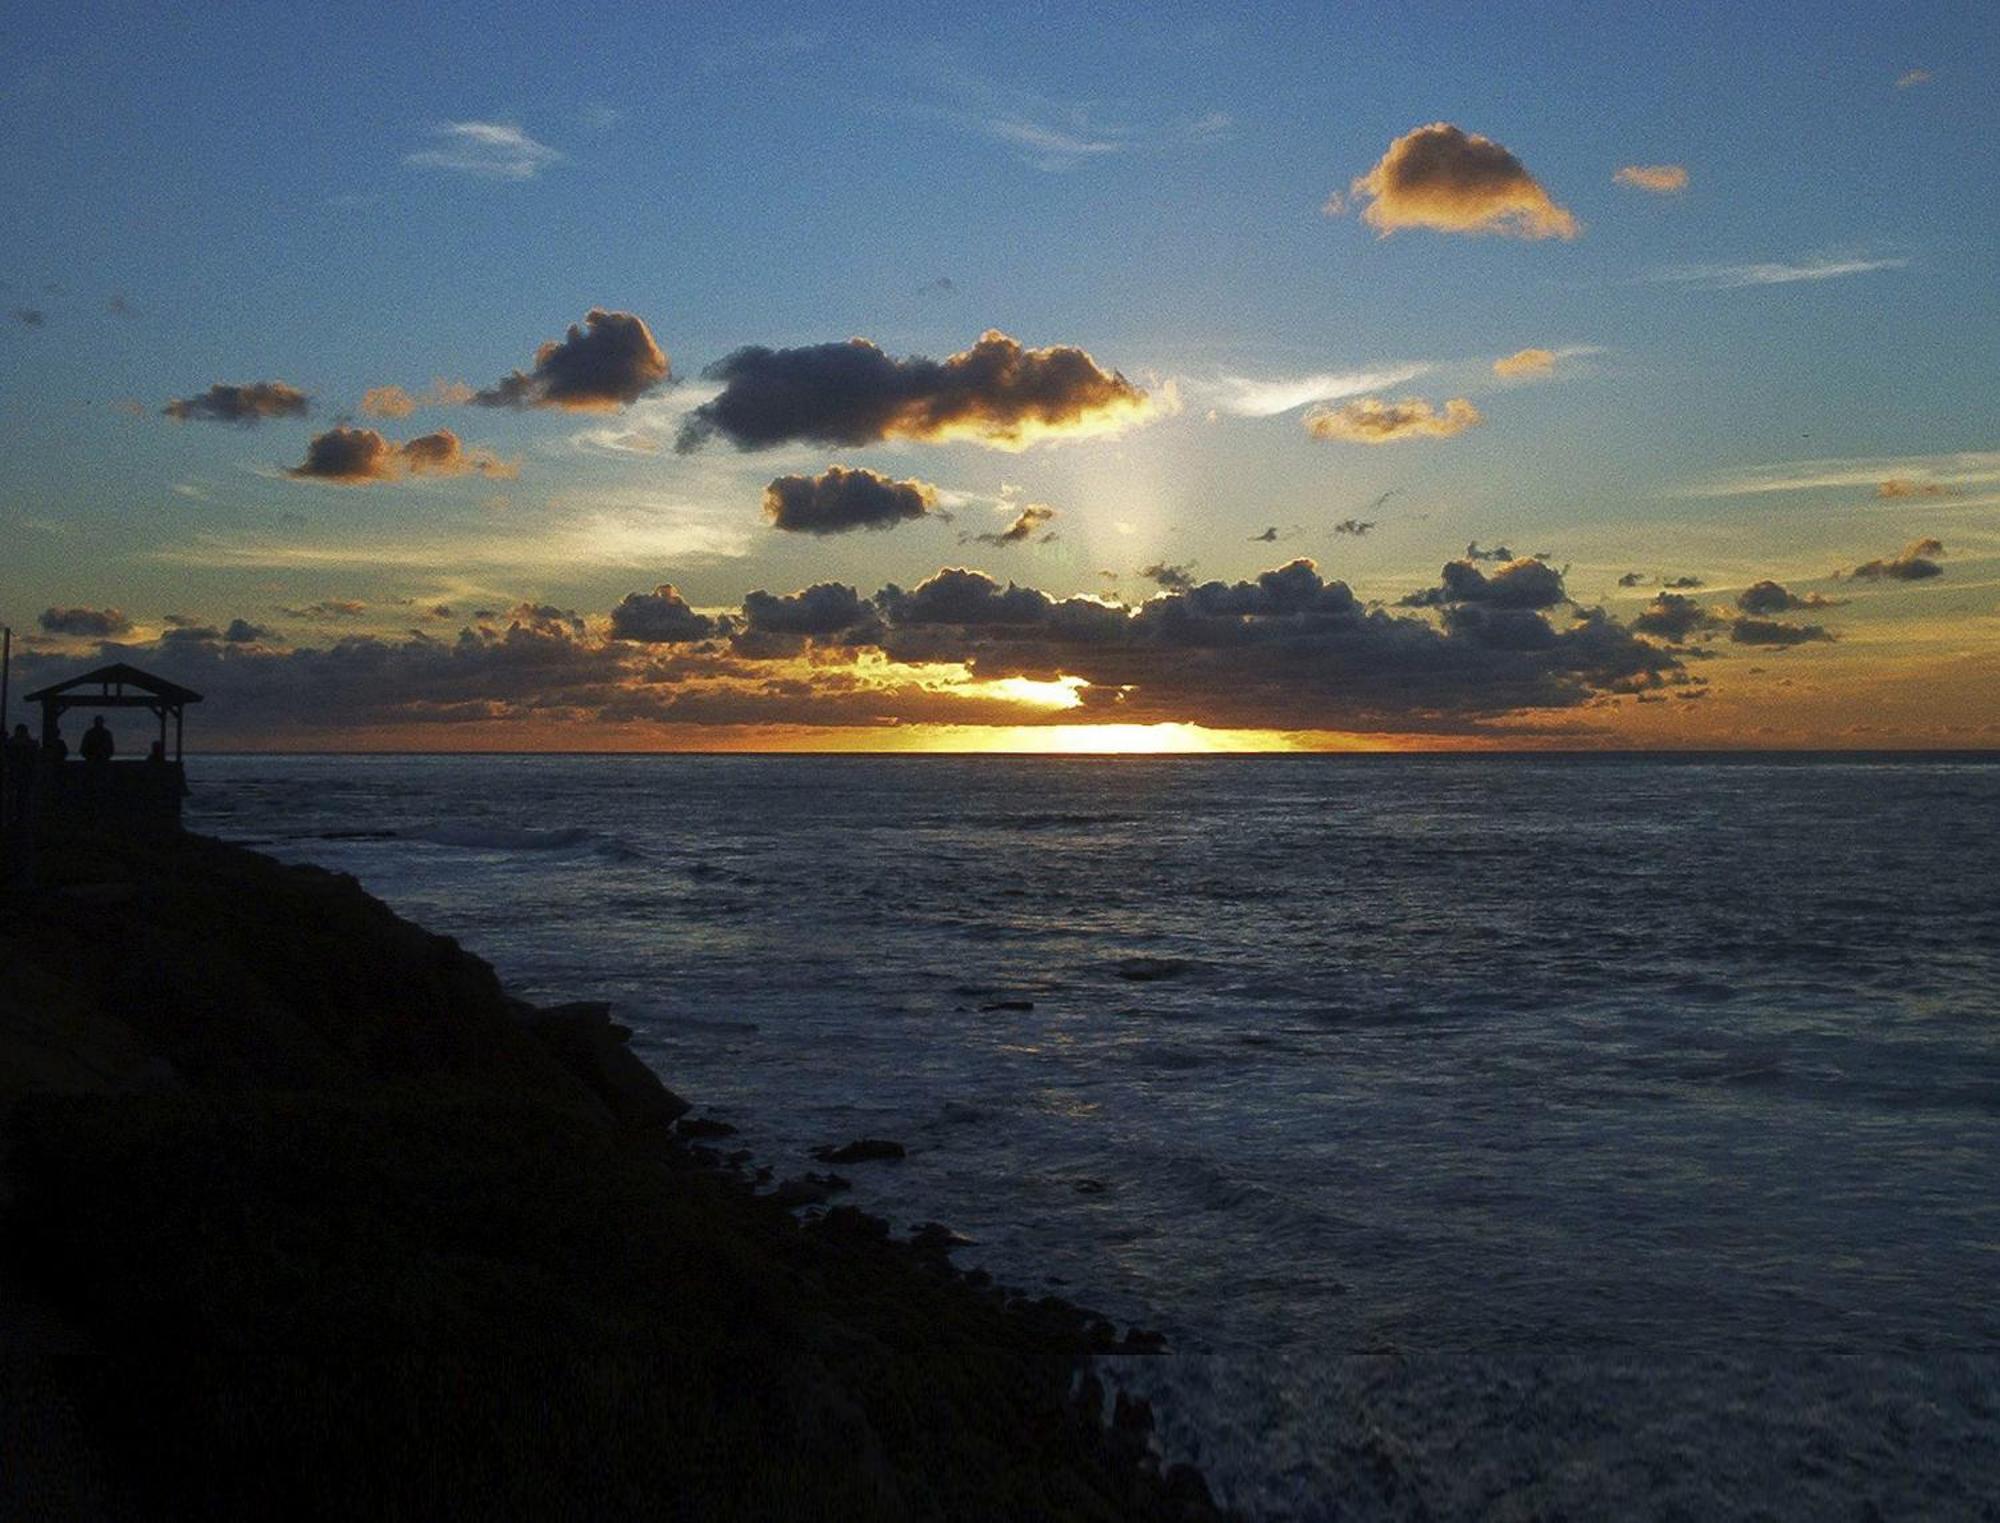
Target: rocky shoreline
[[304, 1215]]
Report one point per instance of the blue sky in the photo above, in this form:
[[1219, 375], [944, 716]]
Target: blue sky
[[280, 196]]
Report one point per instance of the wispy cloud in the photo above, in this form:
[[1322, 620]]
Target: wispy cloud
[[1908, 475], [488, 150], [643, 536], [1057, 135], [1911, 77], [1050, 147], [1725, 277], [1660, 179], [1266, 397]]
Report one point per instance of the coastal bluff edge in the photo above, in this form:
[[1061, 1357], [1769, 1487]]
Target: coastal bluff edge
[[302, 1215]]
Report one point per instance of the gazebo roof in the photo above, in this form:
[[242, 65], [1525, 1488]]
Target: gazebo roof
[[118, 674]]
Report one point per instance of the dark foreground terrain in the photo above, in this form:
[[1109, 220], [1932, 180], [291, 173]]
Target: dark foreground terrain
[[304, 1216]]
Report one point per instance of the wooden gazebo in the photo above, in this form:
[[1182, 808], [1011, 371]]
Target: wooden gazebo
[[134, 785]]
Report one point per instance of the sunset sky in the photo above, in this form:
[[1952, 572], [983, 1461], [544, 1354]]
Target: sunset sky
[[672, 377]]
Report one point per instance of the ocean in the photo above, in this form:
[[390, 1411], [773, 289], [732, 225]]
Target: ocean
[[1495, 1137]]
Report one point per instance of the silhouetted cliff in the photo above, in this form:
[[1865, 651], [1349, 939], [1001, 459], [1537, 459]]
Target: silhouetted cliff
[[304, 1216]]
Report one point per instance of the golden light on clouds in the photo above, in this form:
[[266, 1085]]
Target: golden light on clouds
[[1526, 362], [1660, 179], [1371, 420], [1452, 181]]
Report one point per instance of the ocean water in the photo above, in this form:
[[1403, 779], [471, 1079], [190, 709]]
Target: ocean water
[[1495, 1138]]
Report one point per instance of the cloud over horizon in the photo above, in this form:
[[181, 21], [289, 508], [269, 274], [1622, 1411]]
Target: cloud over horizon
[[88, 623], [1915, 562], [996, 393], [1286, 649], [1448, 180]]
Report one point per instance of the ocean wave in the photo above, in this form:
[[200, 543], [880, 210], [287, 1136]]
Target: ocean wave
[[472, 837]]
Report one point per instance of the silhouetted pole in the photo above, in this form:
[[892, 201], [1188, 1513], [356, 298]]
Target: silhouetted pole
[[6, 671]]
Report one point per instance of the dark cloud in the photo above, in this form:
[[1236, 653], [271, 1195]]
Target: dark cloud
[[1497, 553], [612, 360], [824, 609], [659, 617], [1172, 577], [1913, 563], [1268, 537], [942, 286], [1451, 181], [95, 623], [246, 404], [29, 317], [1683, 583], [1285, 649], [243, 632], [996, 393], [1354, 526], [839, 499], [1524, 583], [1674, 617], [345, 456], [1630, 579], [118, 306], [1031, 517], [1768, 597], [1745, 630], [967, 599]]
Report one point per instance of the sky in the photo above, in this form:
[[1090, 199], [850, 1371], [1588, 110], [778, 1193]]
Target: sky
[[882, 377]]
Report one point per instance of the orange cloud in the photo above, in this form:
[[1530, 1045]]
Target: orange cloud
[[395, 402], [1661, 179], [1452, 181], [1526, 362], [1897, 486], [1370, 420], [346, 456]]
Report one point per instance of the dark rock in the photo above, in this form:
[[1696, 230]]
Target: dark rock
[[704, 1127], [1186, 1487], [936, 1240], [1131, 1414], [796, 1192], [864, 1150], [586, 1041]]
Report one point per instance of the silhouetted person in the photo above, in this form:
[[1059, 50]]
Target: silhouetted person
[[159, 777], [98, 746], [55, 750], [23, 760]]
